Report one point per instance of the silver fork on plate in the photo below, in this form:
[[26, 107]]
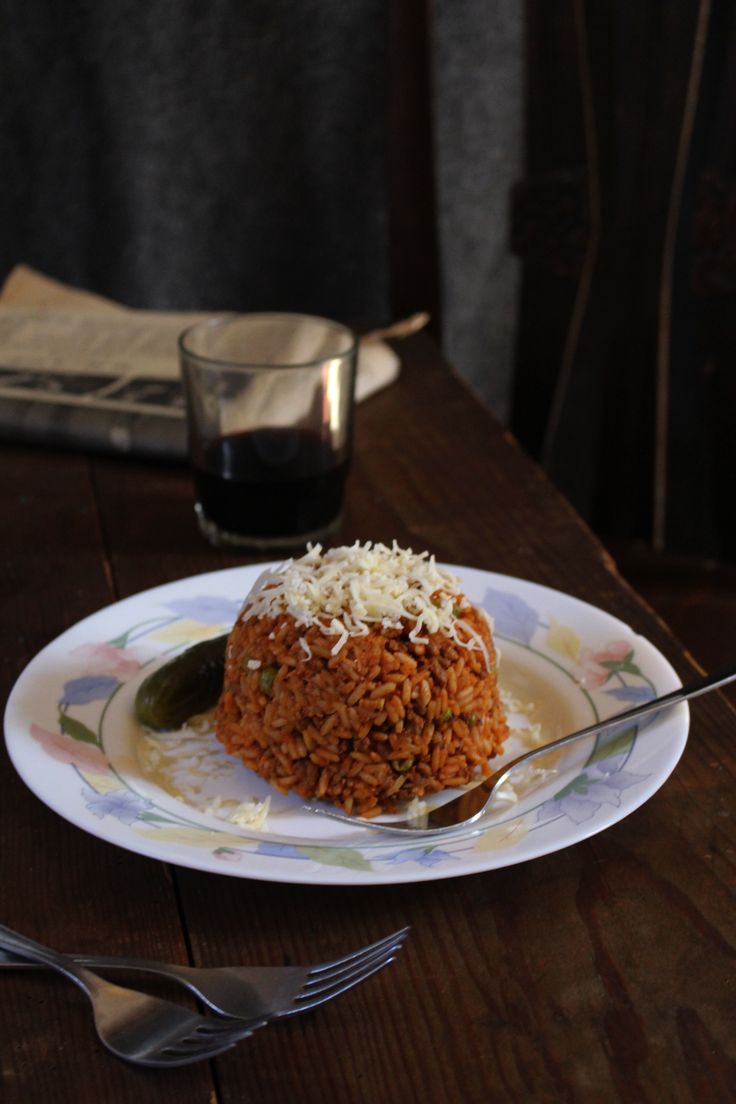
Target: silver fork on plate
[[470, 805], [136, 1027], [255, 994]]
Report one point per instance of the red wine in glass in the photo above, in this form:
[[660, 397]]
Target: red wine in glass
[[273, 483]]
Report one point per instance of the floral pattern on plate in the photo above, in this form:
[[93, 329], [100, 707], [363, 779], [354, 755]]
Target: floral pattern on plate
[[64, 710]]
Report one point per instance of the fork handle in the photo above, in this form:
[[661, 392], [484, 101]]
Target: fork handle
[[23, 945], [20, 960], [682, 693]]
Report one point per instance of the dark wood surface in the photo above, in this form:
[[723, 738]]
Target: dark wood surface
[[604, 972]]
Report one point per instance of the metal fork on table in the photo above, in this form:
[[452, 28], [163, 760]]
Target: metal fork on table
[[254, 994], [136, 1027]]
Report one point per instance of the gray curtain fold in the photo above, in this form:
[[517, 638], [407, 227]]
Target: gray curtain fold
[[175, 154]]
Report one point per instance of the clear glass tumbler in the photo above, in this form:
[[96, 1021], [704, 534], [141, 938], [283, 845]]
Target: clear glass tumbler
[[270, 401]]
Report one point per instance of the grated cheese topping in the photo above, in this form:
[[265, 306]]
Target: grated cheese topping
[[346, 590], [190, 763]]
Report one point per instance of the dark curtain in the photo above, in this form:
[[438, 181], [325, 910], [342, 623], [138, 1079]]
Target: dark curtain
[[626, 371], [182, 154]]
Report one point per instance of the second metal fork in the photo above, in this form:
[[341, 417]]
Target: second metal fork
[[140, 1029], [258, 993]]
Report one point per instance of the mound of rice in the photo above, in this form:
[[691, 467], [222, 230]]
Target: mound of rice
[[361, 676]]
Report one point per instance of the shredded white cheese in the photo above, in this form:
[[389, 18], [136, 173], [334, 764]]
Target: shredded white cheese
[[346, 590], [189, 764], [251, 814], [417, 812]]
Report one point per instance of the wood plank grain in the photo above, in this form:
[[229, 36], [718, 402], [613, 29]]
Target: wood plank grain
[[61, 885]]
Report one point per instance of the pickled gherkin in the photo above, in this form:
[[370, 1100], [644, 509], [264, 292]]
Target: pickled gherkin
[[188, 684]]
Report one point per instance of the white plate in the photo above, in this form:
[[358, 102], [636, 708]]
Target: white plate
[[72, 737]]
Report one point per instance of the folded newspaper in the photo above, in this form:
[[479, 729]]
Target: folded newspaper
[[78, 369]]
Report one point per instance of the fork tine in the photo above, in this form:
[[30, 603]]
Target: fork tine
[[324, 982], [174, 1057], [214, 1028], [348, 958], [181, 1054], [207, 1041], [303, 1002]]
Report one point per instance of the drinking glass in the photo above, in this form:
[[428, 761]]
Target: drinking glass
[[270, 400]]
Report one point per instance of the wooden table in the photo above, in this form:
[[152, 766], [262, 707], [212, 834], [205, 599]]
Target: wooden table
[[604, 972]]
